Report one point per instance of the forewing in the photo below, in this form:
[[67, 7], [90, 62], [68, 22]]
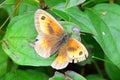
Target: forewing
[[46, 24], [49, 33]]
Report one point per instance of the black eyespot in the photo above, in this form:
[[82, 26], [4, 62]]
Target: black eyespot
[[80, 53], [43, 17], [36, 39]]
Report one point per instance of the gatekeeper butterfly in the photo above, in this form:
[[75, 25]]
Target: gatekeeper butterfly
[[52, 38]]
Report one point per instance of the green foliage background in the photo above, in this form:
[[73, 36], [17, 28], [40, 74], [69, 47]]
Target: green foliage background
[[98, 20]]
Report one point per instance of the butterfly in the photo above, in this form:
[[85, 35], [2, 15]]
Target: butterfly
[[52, 38]]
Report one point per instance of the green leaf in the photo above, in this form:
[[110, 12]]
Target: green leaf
[[75, 76], [109, 39], [69, 28], [15, 8], [75, 16], [95, 77], [1, 1], [72, 3], [52, 3], [21, 33], [57, 76], [3, 62], [112, 71], [91, 3], [3, 17], [25, 75], [69, 75]]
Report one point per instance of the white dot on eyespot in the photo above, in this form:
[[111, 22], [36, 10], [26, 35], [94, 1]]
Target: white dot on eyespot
[[103, 33]]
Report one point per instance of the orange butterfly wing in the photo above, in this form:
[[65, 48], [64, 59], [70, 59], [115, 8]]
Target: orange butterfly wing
[[76, 51], [73, 50], [61, 60], [46, 24], [49, 34]]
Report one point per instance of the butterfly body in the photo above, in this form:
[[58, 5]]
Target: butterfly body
[[52, 38], [65, 38]]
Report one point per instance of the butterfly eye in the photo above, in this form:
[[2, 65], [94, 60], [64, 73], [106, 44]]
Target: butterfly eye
[[43, 17]]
